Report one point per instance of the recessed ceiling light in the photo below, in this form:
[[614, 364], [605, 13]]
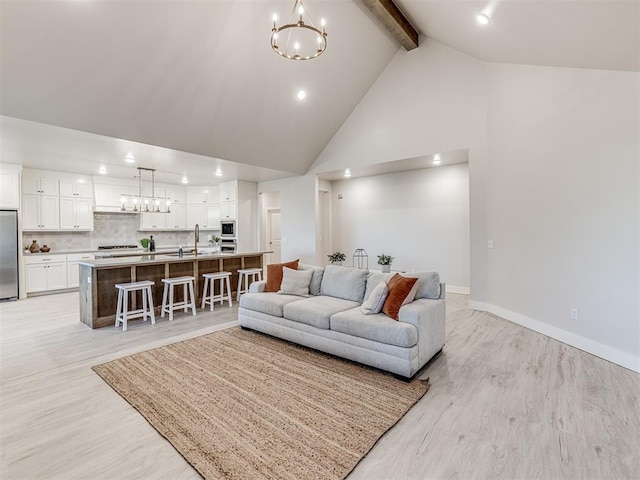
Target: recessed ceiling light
[[436, 159], [483, 18], [185, 180], [347, 173], [129, 158], [102, 170], [218, 173], [301, 95]]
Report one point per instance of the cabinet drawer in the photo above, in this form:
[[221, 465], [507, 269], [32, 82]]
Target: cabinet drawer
[[79, 257], [35, 259]]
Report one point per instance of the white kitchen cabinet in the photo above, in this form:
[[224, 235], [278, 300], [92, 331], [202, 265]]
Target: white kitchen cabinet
[[9, 187], [176, 195], [39, 185], [228, 192], [76, 188], [76, 214], [40, 212], [208, 195], [176, 219], [46, 272], [73, 279], [228, 210], [153, 221], [206, 216]]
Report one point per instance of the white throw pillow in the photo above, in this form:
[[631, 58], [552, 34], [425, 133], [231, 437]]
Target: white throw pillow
[[376, 299], [295, 282]]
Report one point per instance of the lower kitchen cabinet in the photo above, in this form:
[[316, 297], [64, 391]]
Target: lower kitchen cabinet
[[46, 272], [73, 280]]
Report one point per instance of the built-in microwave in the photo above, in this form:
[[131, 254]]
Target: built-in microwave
[[228, 228]]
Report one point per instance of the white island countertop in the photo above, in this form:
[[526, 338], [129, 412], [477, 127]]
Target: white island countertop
[[155, 258]]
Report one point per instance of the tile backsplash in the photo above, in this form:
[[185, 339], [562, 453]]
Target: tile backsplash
[[109, 229]]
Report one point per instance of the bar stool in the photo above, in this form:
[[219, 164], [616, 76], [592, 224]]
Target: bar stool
[[243, 277], [210, 280], [168, 304], [123, 314]]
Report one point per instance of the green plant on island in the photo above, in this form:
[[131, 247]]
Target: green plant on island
[[337, 257], [214, 240], [385, 259], [144, 242]]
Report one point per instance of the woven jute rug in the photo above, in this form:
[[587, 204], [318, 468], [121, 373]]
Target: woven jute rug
[[242, 405]]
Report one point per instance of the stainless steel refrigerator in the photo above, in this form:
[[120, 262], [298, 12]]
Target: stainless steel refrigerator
[[8, 255]]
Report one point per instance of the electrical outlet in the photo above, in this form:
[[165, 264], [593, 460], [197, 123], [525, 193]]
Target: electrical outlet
[[574, 314]]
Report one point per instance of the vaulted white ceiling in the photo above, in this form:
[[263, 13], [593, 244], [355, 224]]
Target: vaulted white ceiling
[[200, 77]]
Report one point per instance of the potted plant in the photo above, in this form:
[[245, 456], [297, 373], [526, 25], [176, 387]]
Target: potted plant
[[385, 262], [145, 243], [214, 241], [337, 258]]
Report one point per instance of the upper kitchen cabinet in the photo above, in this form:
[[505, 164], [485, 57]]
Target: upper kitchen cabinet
[[229, 192], [10, 186], [76, 214], [40, 201], [176, 195], [81, 188], [34, 184], [40, 212], [200, 195]]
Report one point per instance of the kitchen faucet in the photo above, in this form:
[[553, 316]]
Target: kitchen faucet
[[196, 239]]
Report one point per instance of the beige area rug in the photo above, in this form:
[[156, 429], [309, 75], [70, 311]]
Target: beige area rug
[[242, 405]]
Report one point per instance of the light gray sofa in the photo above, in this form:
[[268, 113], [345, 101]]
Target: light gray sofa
[[330, 319]]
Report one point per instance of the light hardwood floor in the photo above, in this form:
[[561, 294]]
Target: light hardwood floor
[[505, 402]]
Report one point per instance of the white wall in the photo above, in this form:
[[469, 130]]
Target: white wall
[[429, 100], [563, 204], [420, 217], [298, 209]]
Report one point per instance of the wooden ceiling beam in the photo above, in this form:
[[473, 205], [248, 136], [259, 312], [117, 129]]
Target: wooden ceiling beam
[[394, 20]]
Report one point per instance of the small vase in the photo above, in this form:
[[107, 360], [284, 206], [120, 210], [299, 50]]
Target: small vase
[[385, 268], [45, 249], [34, 248], [336, 263]]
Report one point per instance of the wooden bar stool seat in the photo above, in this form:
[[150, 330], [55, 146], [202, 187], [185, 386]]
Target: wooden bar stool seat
[[209, 284], [188, 298], [244, 275], [123, 314]]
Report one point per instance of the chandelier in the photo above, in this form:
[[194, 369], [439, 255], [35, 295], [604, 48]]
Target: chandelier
[[144, 203], [299, 39]]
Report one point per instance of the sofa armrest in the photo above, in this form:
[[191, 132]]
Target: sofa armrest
[[443, 290], [257, 287], [429, 317]]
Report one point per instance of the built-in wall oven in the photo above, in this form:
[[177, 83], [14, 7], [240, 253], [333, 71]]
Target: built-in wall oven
[[228, 229], [228, 245]]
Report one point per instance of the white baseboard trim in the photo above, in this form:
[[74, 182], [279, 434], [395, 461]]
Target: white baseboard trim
[[455, 289], [598, 349]]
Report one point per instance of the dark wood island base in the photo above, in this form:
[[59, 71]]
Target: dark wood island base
[[98, 295]]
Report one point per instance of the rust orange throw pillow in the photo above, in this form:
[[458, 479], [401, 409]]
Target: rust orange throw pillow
[[400, 289], [274, 275]]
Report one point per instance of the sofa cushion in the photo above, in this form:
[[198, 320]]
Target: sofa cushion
[[376, 300], [373, 280], [274, 275], [295, 282], [316, 280], [344, 282], [316, 311], [270, 303], [378, 328], [402, 290], [428, 284]]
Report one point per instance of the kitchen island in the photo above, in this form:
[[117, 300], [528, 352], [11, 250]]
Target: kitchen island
[[98, 295]]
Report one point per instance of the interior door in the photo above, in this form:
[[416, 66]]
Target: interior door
[[273, 235]]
